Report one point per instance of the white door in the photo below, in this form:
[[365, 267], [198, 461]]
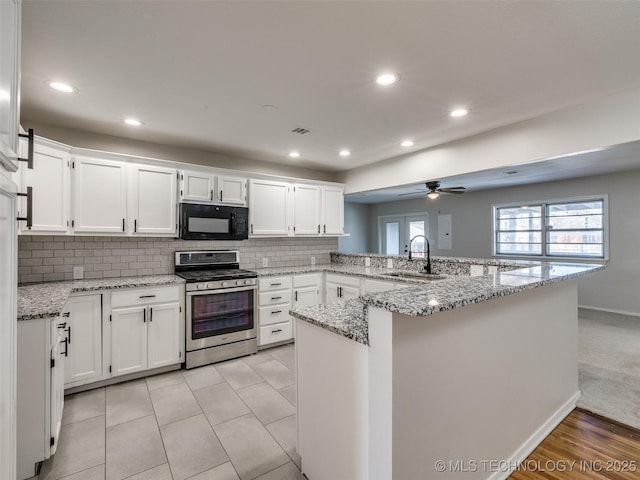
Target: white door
[[84, 360], [444, 232], [197, 187], [100, 196], [391, 235], [232, 190], [268, 207], [307, 209], [332, 210], [49, 180], [128, 340], [305, 297], [8, 301], [153, 201], [397, 231], [163, 334], [416, 228]]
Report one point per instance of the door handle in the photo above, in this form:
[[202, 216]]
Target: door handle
[[150, 314], [66, 348], [220, 195], [144, 315], [212, 195]]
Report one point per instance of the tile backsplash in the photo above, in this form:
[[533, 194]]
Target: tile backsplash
[[51, 258]]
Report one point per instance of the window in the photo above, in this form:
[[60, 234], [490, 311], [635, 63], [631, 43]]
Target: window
[[574, 228], [396, 231]]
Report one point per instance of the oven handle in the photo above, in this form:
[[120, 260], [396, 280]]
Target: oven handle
[[222, 290]]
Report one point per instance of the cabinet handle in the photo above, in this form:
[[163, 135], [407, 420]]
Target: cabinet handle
[[68, 330], [295, 295], [150, 314], [221, 195], [252, 229], [123, 224], [275, 284], [144, 315], [62, 325], [339, 292], [318, 229], [135, 225], [276, 298], [276, 311], [66, 348], [212, 195], [66, 314], [29, 158], [29, 217], [147, 296], [325, 229], [276, 331]]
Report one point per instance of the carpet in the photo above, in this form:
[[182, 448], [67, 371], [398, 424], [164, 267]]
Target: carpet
[[609, 365]]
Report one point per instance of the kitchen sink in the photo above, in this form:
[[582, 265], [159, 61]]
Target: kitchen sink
[[416, 275]]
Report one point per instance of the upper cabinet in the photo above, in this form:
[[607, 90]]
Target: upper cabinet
[[49, 182], [306, 207], [269, 208], [100, 196], [332, 210], [198, 187], [152, 201], [9, 82]]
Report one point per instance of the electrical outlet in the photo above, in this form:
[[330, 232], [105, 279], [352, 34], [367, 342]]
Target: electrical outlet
[[493, 269], [78, 272], [367, 261], [265, 262], [390, 263], [313, 260]]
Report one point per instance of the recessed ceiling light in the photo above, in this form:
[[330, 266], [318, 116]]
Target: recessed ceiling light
[[294, 154], [133, 122], [62, 87], [406, 143], [386, 79], [459, 112], [345, 153]]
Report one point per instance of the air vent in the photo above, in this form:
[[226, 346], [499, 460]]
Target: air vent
[[299, 130]]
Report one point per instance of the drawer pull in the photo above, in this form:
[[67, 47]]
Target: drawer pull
[[276, 331], [147, 296], [276, 311], [276, 298], [276, 284], [66, 314]]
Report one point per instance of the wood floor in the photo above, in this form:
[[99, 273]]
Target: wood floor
[[585, 446]]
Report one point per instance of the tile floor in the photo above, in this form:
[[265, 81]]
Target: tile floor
[[228, 421]]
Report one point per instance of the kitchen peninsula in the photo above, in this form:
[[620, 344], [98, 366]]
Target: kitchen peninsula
[[460, 377]]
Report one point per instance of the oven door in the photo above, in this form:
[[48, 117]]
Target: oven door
[[217, 317]]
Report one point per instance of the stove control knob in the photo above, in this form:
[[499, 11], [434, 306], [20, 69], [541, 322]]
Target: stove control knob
[[248, 282], [225, 284], [202, 286], [238, 282]]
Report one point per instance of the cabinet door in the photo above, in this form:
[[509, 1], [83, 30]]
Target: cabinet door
[[332, 292], [268, 207], [197, 187], [153, 201], [128, 340], [49, 179], [306, 204], [332, 210], [84, 327], [374, 286], [305, 297], [347, 292], [163, 335], [9, 85], [100, 196], [232, 190]]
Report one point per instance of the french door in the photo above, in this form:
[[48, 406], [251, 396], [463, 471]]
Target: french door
[[397, 231]]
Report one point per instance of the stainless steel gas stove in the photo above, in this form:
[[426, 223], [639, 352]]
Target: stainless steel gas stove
[[221, 301]]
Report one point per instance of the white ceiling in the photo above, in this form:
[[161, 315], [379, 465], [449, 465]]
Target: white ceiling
[[197, 73]]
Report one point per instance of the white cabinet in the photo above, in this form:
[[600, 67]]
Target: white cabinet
[[306, 216], [100, 196], [332, 210], [232, 190], [274, 302], [83, 327], [197, 187], [370, 285], [306, 290], [145, 329], [341, 287], [269, 208], [49, 180], [152, 201], [10, 21]]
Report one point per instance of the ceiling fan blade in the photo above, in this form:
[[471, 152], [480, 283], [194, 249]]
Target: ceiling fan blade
[[453, 189]]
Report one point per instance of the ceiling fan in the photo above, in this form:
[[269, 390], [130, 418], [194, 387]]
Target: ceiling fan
[[433, 190]]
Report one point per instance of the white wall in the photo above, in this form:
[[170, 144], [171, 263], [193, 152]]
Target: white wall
[[600, 123], [613, 289], [107, 143]]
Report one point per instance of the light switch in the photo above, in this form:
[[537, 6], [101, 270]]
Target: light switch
[[477, 270]]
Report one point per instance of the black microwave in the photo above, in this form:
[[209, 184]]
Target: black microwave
[[213, 222]]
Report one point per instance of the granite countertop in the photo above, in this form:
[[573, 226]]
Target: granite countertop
[[44, 300], [430, 297]]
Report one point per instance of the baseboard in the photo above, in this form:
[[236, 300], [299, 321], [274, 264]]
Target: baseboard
[[537, 437], [610, 310]]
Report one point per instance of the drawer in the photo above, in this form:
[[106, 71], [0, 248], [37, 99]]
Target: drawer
[[273, 298], [145, 296], [343, 279], [274, 283], [278, 332], [306, 280], [275, 314]]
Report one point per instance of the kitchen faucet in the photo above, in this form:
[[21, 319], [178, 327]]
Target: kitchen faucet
[[428, 267]]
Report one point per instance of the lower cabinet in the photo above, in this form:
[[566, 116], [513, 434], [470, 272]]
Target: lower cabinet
[[370, 285], [82, 323], [306, 290], [146, 335], [274, 303], [341, 287]]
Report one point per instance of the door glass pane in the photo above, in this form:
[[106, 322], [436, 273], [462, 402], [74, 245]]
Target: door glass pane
[[392, 236], [418, 246]]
